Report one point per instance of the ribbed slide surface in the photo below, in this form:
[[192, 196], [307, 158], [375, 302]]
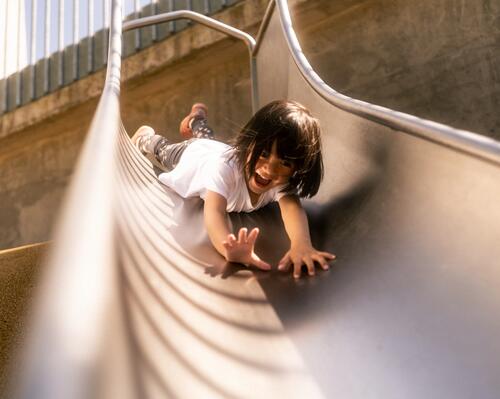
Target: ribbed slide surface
[[195, 335]]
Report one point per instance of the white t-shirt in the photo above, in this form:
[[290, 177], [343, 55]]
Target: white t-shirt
[[205, 165]]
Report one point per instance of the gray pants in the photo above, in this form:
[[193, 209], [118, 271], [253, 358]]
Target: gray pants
[[169, 154]]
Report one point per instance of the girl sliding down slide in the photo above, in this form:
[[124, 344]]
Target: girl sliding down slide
[[275, 157]]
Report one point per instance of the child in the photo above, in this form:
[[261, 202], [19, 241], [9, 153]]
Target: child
[[275, 157]]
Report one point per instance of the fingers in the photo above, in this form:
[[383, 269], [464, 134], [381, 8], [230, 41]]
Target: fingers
[[242, 235], [310, 266], [252, 237], [284, 263], [327, 255], [297, 270], [322, 262], [231, 239], [259, 263], [321, 258], [245, 238]]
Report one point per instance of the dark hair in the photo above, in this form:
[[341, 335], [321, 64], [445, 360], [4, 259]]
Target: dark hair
[[298, 138]]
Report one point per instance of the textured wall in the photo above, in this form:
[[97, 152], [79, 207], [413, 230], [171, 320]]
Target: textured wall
[[37, 158], [436, 59], [19, 274], [36, 165], [218, 76]]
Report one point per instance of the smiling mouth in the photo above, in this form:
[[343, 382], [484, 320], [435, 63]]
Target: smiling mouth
[[261, 181]]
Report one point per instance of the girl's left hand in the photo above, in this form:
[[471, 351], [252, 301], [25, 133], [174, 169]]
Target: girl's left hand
[[304, 254]]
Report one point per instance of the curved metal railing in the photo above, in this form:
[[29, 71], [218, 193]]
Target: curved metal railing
[[65, 345], [462, 140], [211, 23]]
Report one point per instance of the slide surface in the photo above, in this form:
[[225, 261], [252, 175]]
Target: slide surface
[[408, 310]]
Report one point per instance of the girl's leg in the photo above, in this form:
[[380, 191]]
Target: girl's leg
[[166, 153], [195, 124], [201, 130], [169, 154]]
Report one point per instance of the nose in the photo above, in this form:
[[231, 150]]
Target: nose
[[271, 167]]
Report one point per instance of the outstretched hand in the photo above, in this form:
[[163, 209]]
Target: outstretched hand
[[304, 254], [241, 249]]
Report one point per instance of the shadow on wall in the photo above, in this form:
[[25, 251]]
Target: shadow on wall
[[434, 59]]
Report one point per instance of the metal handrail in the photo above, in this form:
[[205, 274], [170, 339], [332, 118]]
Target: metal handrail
[[63, 352], [193, 16], [211, 23], [461, 140]]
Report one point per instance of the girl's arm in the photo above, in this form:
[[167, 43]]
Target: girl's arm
[[241, 249], [301, 250]]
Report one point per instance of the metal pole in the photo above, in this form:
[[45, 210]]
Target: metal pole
[[90, 34], [254, 82], [18, 60], [171, 27], [46, 80], [5, 103], [33, 49], [60, 36], [137, 13], [206, 7], [105, 25], [154, 28], [76, 38], [189, 6]]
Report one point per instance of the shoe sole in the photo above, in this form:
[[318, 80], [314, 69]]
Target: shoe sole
[[140, 133]]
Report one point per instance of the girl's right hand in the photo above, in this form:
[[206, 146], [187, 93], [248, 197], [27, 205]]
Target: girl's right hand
[[241, 250]]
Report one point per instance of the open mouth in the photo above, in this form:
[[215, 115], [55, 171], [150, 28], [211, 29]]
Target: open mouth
[[261, 181]]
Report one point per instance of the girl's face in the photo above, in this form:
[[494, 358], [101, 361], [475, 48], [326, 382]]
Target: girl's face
[[270, 171]]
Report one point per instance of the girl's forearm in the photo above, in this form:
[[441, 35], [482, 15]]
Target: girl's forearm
[[216, 220], [218, 228], [295, 221], [298, 228]]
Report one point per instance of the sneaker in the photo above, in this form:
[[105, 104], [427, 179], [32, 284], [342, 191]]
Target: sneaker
[[142, 137], [198, 111]]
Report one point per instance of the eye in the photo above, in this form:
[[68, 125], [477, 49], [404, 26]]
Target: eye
[[286, 163], [264, 154]]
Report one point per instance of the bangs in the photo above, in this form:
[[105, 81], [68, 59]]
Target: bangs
[[289, 148]]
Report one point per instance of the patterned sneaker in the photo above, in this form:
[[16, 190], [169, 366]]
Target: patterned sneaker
[[142, 139], [198, 111]]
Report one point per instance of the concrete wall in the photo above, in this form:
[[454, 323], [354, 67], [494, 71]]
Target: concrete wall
[[40, 142], [77, 61], [218, 76], [36, 165], [435, 59], [19, 275]]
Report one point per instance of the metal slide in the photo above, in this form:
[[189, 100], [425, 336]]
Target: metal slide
[[138, 304]]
